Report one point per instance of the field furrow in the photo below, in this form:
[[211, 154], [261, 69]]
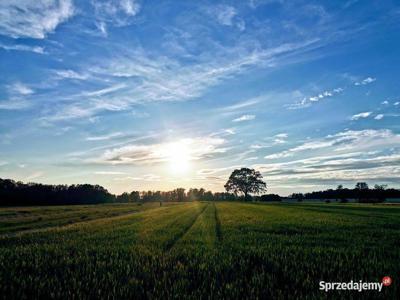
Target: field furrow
[[218, 231], [185, 229]]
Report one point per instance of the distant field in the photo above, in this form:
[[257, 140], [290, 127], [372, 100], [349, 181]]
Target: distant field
[[17, 219], [224, 250]]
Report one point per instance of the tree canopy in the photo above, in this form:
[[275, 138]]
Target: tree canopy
[[246, 181]]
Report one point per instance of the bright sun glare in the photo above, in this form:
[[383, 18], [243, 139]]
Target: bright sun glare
[[178, 156]]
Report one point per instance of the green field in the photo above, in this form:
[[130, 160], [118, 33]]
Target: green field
[[197, 250]]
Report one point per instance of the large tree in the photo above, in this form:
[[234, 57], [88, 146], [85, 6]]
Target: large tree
[[245, 181]]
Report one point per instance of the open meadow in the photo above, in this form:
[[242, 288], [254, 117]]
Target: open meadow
[[197, 250]]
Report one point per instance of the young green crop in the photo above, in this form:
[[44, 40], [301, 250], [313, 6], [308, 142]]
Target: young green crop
[[204, 250]]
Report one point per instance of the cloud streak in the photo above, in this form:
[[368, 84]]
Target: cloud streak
[[33, 19], [139, 154], [362, 115], [244, 118]]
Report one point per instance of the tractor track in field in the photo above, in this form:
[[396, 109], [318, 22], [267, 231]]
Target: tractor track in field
[[66, 226], [218, 232], [171, 243]]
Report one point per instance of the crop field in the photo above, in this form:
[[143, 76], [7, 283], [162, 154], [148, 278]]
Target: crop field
[[198, 250]]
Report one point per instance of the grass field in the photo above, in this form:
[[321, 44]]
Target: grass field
[[197, 250]]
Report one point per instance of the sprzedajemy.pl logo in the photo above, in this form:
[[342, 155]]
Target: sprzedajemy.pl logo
[[355, 285]]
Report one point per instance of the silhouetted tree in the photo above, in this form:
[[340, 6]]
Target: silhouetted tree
[[298, 196], [270, 197], [380, 192], [245, 181], [180, 194], [362, 189], [134, 196]]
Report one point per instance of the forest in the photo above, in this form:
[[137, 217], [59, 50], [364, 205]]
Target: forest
[[16, 193]]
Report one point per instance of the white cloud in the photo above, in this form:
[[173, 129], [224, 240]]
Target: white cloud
[[344, 141], [33, 19], [109, 173], [14, 104], [361, 116], [252, 158], [20, 89], [230, 131], [396, 103], [353, 155], [243, 104], [351, 166], [365, 81], [385, 102], [145, 177], [225, 14], [379, 117], [117, 13], [130, 7], [259, 146], [244, 118], [308, 101], [228, 16], [70, 74], [306, 146], [137, 77], [280, 138], [35, 49], [104, 137], [196, 148], [281, 135]]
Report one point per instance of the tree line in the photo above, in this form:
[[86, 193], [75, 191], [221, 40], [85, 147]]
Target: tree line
[[14, 193], [361, 192]]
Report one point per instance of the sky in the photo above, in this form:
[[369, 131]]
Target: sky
[[154, 95]]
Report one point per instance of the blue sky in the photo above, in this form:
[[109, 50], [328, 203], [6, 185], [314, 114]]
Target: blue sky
[[144, 95]]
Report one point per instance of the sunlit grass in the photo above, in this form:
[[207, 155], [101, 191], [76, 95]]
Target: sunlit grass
[[228, 250]]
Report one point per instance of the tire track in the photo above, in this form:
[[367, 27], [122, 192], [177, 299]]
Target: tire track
[[218, 232], [171, 243]]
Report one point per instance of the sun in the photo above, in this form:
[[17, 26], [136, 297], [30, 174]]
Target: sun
[[178, 157]]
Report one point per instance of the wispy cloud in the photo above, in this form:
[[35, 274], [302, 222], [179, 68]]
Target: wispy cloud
[[70, 74], [350, 167], [242, 104], [244, 118], [308, 101], [14, 104], [105, 137], [344, 141], [227, 15], [280, 138], [18, 47], [365, 81], [109, 173], [146, 177], [137, 77], [379, 117], [18, 94], [117, 13], [196, 148], [20, 89], [33, 19], [362, 115]]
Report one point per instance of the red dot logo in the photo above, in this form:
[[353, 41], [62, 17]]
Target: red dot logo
[[386, 281]]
